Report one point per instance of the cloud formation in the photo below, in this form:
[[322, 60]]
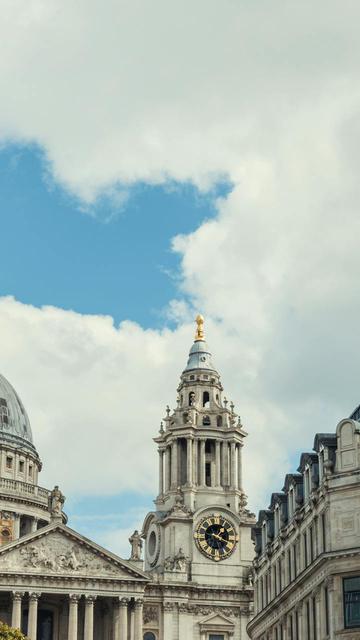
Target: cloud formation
[[186, 91], [265, 96]]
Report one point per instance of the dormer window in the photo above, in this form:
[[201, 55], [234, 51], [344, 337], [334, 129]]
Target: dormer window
[[192, 378], [307, 484], [264, 535], [291, 502], [277, 520], [4, 411]]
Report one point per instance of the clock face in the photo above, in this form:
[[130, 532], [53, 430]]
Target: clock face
[[216, 537]]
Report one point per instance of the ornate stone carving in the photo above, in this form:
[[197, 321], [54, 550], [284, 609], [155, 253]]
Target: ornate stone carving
[[74, 597], [18, 595], [57, 554], [151, 614], [136, 545], [179, 508], [178, 562], [168, 606]]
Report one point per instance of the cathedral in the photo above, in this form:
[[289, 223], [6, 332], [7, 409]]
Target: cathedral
[[194, 580]]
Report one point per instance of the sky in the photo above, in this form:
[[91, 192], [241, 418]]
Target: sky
[[163, 159]]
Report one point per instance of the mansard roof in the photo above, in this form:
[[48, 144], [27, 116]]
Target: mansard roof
[[290, 479], [307, 458], [277, 498], [326, 439]]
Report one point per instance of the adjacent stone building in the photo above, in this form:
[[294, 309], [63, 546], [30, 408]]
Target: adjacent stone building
[[307, 544], [194, 583]]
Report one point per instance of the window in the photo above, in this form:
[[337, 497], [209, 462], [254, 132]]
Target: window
[[206, 399], [206, 421], [305, 549], [149, 635], [30, 471], [208, 474], [314, 619], [216, 636], [9, 462], [219, 421], [323, 530], [352, 602], [4, 412], [327, 620], [21, 466]]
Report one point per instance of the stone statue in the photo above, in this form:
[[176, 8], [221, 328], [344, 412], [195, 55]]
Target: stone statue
[[57, 500], [180, 561], [136, 545]]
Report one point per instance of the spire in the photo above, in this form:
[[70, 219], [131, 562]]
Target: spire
[[199, 356]]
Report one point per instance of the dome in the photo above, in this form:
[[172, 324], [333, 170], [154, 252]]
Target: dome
[[14, 422], [199, 357]]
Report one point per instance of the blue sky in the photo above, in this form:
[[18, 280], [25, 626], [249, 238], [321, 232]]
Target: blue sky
[[97, 259], [99, 103], [102, 261]]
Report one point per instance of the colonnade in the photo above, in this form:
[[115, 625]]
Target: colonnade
[[224, 459], [127, 616]]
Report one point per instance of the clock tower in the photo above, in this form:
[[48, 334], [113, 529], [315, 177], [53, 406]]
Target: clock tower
[[200, 531]]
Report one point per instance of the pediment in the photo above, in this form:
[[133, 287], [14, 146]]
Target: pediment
[[216, 622], [59, 550]]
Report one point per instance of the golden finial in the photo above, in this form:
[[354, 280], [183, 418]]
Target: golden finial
[[199, 335]]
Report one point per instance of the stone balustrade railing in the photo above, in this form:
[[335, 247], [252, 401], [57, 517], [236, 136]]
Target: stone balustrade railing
[[16, 487]]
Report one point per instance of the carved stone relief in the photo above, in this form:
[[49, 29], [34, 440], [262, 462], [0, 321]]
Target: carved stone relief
[[57, 554]]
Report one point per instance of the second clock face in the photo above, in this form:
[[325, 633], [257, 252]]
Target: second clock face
[[216, 537]]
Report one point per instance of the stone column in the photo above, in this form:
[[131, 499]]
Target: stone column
[[161, 472], [123, 619], [89, 618], [233, 464], [224, 452], [34, 525], [217, 464], [202, 463], [174, 464], [167, 469], [138, 622], [195, 462], [239, 461], [189, 460], [73, 616], [33, 611], [318, 612], [300, 622], [330, 585], [16, 526], [17, 597]]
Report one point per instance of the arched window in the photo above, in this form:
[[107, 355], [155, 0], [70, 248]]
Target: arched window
[[219, 421], [206, 421], [206, 399], [185, 418], [149, 635]]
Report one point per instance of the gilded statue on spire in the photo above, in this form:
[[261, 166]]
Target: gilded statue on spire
[[199, 335]]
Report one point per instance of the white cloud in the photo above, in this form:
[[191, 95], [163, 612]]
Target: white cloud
[[128, 91], [153, 91]]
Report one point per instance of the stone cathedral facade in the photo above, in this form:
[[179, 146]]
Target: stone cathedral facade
[[194, 582]]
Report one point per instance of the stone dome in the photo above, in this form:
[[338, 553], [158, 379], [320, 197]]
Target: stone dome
[[14, 422], [199, 357]]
